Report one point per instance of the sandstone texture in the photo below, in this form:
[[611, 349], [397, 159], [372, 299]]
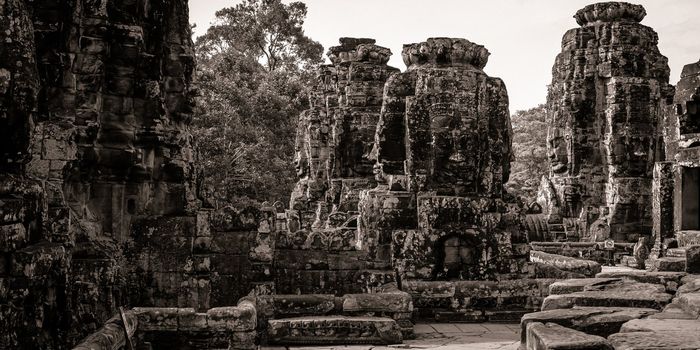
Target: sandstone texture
[[605, 112]]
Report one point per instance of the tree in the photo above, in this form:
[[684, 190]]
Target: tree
[[530, 150], [267, 30], [254, 68]]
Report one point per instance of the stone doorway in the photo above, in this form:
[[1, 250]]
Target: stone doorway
[[690, 199], [456, 256]]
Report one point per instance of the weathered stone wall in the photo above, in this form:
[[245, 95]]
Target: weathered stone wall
[[676, 182], [97, 194], [605, 114]]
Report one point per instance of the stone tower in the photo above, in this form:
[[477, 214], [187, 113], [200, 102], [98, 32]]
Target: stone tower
[[335, 138], [604, 111], [443, 149]]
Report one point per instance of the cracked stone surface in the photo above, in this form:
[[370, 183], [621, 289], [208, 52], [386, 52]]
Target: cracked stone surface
[[444, 336]]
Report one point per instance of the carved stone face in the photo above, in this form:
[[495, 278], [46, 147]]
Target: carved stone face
[[454, 148], [558, 152]]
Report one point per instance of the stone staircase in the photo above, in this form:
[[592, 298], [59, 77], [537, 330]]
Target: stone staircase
[[629, 310]]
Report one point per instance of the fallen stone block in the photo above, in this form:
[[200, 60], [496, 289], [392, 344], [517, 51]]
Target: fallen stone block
[[671, 280], [378, 302], [667, 264], [690, 303], [676, 340], [657, 325], [692, 257], [673, 311], [326, 330], [585, 267], [601, 321], [552, 336], [614, 298], [578, 284]]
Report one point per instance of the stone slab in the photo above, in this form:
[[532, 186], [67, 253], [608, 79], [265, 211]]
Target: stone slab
[[669, 279], [601, 321], [328, 330], [692, 256], [676, 340], [577, 284], [552, 336], [656, 325], [585, 267]]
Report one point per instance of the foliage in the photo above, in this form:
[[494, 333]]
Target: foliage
[[253, 71], [530, 151]]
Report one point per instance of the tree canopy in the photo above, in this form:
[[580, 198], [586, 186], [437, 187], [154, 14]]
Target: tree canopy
[[530, 150], [253, 71]]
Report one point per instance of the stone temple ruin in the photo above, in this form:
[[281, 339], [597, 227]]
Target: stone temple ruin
[[399, 216]]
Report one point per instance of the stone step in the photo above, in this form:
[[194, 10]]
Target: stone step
[[552, 336], [330, 330]]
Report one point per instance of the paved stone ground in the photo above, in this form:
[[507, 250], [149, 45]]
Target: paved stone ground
[[445, 336]]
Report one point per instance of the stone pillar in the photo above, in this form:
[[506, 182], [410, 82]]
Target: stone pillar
[[662, 204]]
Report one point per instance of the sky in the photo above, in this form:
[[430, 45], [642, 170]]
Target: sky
[[523, 36]]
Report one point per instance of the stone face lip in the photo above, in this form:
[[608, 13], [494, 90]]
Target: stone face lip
[[610, 12], [445, 52], [358, 50]]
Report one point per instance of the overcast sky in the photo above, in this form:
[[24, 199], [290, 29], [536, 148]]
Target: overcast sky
[[523, 36]]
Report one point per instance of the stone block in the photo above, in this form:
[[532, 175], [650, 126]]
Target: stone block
[[585, 267], [328, 330], [378, 302], [233, 318], [692, 256], [680, 340], [552, 336], [668, 264], [157, 318], [613, 293], [601, 321], [661, 325]]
